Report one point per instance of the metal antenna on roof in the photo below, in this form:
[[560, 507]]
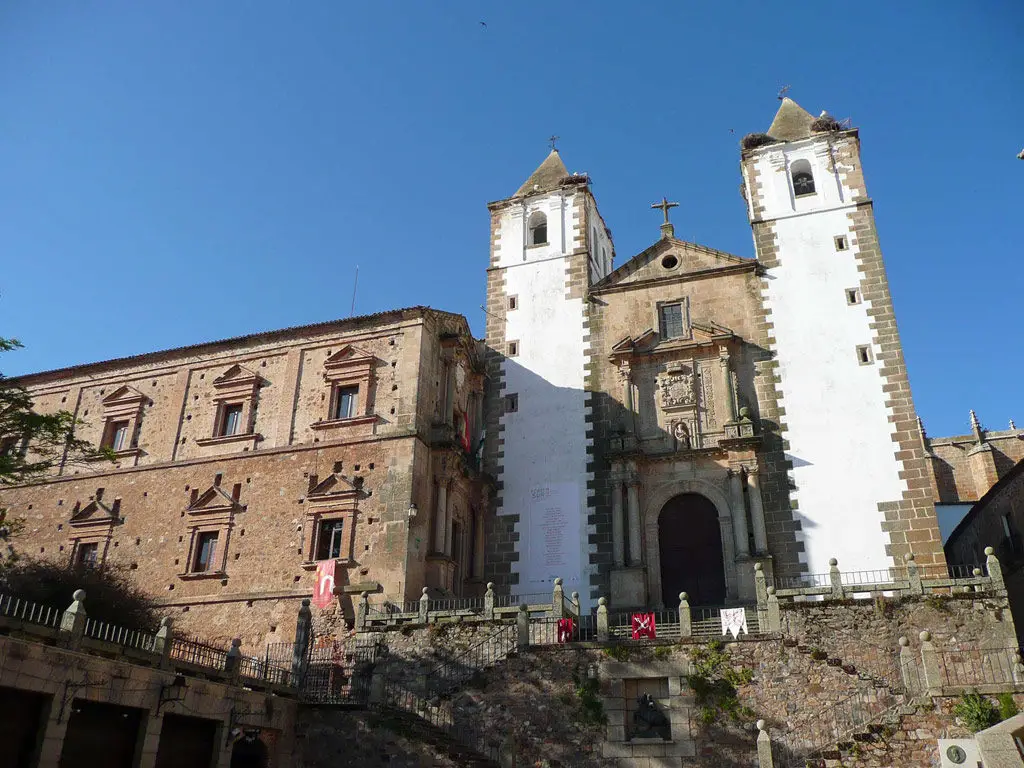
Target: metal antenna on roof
[[355, 285]]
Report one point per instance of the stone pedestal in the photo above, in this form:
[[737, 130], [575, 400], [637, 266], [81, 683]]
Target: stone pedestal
[[629, 588], [745, 572]]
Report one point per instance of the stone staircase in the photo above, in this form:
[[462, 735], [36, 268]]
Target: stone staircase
[[871, 715], [428, 712]]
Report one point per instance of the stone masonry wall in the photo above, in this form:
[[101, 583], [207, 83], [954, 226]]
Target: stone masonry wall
[[146, 511]]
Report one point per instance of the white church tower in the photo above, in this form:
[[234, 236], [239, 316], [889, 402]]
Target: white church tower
[[548, 244], [858, 479]]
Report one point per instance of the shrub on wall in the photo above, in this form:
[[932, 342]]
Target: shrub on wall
[[976, 712], [110, 594]]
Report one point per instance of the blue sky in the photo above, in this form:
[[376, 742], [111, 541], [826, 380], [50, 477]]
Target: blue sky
[[172, 173]]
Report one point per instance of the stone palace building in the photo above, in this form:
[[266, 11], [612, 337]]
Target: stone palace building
[[638, 429]]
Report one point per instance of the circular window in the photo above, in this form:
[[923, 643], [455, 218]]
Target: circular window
[[670, 262]]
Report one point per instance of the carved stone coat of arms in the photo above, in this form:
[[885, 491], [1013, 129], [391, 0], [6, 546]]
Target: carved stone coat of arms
[[677, 388]]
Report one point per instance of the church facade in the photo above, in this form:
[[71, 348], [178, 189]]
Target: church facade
[[638, 430], [665, 425]]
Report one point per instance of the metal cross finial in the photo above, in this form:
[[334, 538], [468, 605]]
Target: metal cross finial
[[552, 140], [665, 205]]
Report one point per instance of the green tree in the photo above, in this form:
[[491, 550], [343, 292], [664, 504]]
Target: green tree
[[51, 436]]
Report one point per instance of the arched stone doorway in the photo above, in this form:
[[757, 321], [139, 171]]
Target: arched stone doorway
[[690, 549]]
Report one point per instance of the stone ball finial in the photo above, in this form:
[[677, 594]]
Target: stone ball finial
[[558, 581], [78, 594], [683, 596], [365, 596], [236, 643], [490, 586], [166, 621], [976, 572], [758, 567], [761, 725], [602, 601], [904, 641], [989, 551], [925, 636], [833, 562], [305, 602], [771, 590], [744, 412], [576, 596], [909, 557], [425, 590]]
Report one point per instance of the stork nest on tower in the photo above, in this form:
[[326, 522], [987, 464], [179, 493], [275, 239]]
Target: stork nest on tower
[[826, 124], [754, 140]]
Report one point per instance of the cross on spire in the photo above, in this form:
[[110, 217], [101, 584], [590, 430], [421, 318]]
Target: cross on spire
[[551, 140], [667, 230], [665, 206]]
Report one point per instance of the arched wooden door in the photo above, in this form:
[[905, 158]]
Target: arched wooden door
[[690, 543]]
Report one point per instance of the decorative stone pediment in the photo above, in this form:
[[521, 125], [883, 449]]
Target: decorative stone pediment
[[214, 500], [95, 513], [334, 488], [704, 335], [237, 382], [123, 401], [671, 259], [349, 364]]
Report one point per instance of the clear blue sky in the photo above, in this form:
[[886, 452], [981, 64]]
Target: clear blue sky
[[177, 172]]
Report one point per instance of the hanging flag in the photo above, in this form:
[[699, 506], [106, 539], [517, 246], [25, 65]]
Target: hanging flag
[[323, 591], [466, 445], [565, 629], [733, 621], [643, 626]]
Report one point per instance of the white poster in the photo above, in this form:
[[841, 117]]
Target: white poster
[[555, 537]]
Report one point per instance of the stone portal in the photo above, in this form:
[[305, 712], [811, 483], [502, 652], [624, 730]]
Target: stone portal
[[690, 544]]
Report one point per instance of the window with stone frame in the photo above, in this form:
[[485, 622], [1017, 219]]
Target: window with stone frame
[[231, 419], [673, 321], [349, 377], [122, 415], [346, 401], [234, 396], [332, 505], [116, 437], [330, 539], [210, 517], [87, 554], [205, 551], [91, 528]]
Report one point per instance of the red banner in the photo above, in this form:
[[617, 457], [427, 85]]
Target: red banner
[[323, 591], [465, 434], [643, 626], [565, 629]]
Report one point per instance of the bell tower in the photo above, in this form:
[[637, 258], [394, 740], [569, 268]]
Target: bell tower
[[858, 473], [548, 245]]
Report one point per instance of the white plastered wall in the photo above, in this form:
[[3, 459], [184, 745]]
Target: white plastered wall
[[543, 470], [837, 423]]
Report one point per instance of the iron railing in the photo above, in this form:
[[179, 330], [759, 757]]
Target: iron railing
[[116, 635], [33, 613], [193, 651], [843, 719], [965, 667], [880, 576], [453, 672], [804, 581], [339, 671], [530, 598], [263, 669]]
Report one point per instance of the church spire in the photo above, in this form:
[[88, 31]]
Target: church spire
[[792, 122], [546, 178]]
